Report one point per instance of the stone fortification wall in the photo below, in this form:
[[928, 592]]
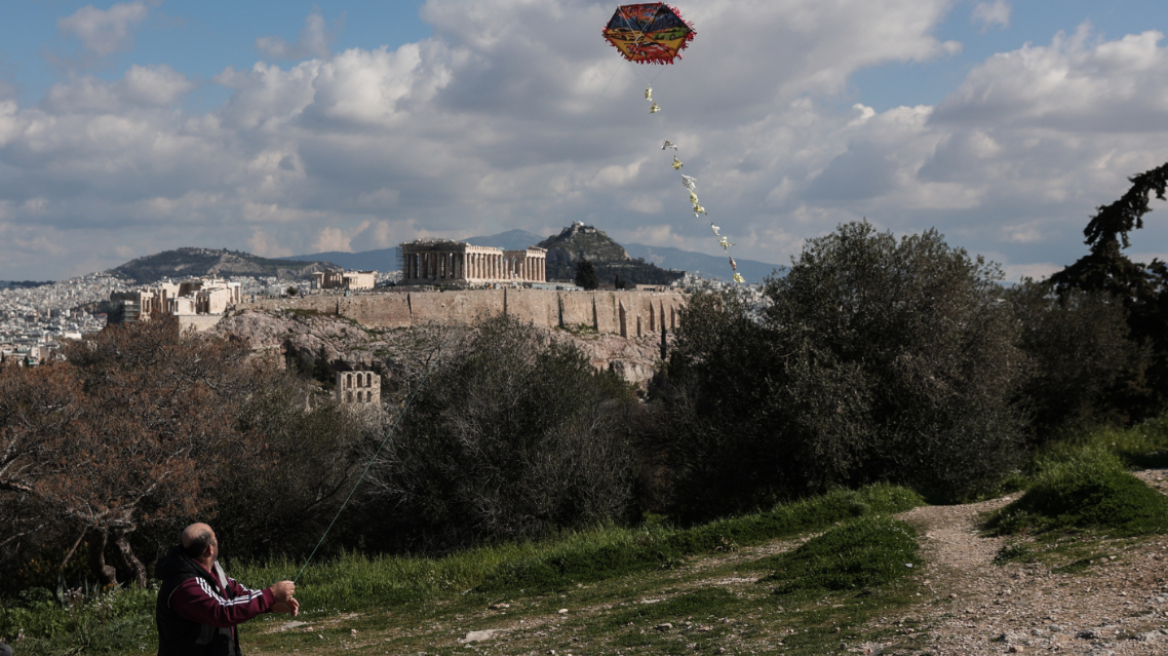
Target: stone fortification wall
[[197, 322], [537, 306], [625, 313]]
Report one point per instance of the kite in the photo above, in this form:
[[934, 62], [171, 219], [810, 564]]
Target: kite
[[650, 33], [668, 144], [688, 182], [715, 229], [677, 163], [654, 108]]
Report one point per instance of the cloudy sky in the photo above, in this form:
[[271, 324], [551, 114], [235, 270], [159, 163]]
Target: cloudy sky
[[286, 127]]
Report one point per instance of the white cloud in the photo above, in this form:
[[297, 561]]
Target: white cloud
[[517, 115], [264, 244], [104, 32], [991, 14], [332, 239], [315, 40], [157, 86], [1076, 83], [141, 86]]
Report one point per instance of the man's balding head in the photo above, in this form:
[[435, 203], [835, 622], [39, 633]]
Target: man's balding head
[[196, 538]]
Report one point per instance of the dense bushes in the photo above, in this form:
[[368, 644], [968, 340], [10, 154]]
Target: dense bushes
[[877, 359], [512, 437], [1080, 355]]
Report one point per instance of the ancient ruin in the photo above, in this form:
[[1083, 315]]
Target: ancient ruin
[[197, 296], [430, 262], [351, 280], [358, 388]]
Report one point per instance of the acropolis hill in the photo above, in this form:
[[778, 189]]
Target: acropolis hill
[[483, 281]]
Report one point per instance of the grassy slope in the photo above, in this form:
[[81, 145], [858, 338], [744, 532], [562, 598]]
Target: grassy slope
[[806, 578], [598, 575]]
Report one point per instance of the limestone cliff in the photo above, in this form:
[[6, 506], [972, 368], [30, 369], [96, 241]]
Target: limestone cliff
[[320, 341]]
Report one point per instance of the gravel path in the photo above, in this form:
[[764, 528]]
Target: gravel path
[[1119, 605]]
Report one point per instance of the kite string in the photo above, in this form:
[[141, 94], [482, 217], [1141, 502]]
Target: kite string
[[405, 409]]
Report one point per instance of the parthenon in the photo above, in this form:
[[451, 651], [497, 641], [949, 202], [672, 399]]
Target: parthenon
[[428, 262]]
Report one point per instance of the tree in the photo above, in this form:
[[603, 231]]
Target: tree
[[1142, 288], [586, 277], [130, 433], [877, 360], [278, 502], [1079, 349], [512, 437]]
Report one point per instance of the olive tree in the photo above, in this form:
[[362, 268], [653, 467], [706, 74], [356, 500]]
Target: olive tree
[[513, 435], [878, 359]]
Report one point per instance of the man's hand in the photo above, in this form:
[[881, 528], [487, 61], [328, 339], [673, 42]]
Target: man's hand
[[291, 607], [283, 590]]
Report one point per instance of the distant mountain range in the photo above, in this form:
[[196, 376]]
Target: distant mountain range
[[709, 266]]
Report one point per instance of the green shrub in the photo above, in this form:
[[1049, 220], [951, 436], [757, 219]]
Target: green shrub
[[1014, 552], [863, 553], [1089, 489], [701, 603]]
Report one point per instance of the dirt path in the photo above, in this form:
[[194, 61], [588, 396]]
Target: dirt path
[[1117, 606]]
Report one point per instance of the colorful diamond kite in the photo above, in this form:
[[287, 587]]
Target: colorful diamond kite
[[650, 33]]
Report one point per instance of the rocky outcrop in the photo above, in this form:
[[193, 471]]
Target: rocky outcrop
[[340, 344], [584, 242], [579, 241], [636, 359]]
